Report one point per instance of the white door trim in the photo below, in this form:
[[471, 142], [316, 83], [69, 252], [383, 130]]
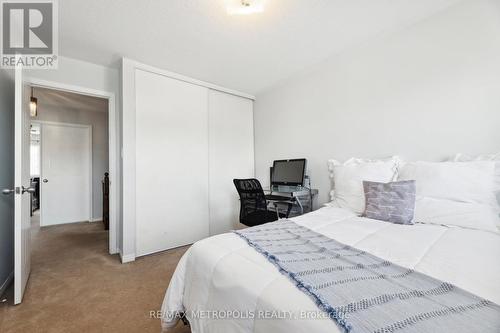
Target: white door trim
[[90, 180], [114, 163]]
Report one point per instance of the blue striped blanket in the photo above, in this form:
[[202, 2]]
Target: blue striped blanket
[[364, 293]]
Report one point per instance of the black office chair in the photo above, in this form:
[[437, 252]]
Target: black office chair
[[253, 210]]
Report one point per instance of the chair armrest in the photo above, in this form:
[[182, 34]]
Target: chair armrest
[[288, 203]]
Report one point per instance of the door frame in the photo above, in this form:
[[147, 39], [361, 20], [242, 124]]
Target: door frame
[[90, 180], [113, 150]]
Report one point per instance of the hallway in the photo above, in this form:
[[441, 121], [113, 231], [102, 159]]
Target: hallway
[[76, 286]]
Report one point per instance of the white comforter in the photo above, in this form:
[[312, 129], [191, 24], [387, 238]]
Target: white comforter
[[225, 275]]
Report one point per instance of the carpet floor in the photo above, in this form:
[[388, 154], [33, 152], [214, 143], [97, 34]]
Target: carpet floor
[[76, 286]]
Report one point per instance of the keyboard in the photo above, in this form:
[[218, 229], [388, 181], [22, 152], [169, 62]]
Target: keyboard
[[273, 197]]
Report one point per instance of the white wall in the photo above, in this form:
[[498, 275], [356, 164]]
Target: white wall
[[6, 176], [83, 74], [80, 73], [427, 92], [100, 156]]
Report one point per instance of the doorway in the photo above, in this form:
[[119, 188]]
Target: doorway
[[103, 145]]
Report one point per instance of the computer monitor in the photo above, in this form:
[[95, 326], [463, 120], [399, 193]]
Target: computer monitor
[[289, 172]]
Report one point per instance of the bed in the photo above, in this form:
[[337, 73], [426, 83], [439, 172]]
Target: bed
[[224, 274], [222, 284]]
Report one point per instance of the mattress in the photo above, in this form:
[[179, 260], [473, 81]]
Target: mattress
[[224, 285]]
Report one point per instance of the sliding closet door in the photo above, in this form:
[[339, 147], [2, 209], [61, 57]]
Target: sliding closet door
[[171, 163], [231, 147]]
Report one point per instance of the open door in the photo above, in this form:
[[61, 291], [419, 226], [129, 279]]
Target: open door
[[22, 221]]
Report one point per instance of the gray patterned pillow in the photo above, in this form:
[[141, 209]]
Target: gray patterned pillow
[[392, 202]]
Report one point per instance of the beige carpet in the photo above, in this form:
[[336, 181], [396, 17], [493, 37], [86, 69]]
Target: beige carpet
[[76, 286]]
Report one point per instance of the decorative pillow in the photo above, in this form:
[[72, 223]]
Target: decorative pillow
[[471, 182], [391, 202], [348, 180]]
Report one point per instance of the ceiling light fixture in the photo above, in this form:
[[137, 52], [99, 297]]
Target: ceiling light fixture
[[33, 104], [244, 7]]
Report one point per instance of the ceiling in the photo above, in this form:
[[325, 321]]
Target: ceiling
[[65, 100], [249, 53]]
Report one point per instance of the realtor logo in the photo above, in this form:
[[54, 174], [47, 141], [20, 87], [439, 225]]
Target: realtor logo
[[29, 33]]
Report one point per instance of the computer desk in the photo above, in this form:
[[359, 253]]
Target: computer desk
[[294, 194]]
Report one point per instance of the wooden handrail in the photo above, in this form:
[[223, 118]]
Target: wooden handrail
[[105, 201]]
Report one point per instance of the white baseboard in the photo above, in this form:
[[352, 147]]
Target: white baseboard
[[127, 258], [6, 283], [96, 219]]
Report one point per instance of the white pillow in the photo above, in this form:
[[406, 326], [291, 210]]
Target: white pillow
[[491, 157], [465, 182], [488, 157], [468, 158], [461, 214], [348, 180]]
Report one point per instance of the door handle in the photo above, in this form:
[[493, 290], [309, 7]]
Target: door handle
[[45, 180], [28, 189], [7, 191]]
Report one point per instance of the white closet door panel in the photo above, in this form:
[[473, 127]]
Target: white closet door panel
[[171, 163], [231, 143]]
